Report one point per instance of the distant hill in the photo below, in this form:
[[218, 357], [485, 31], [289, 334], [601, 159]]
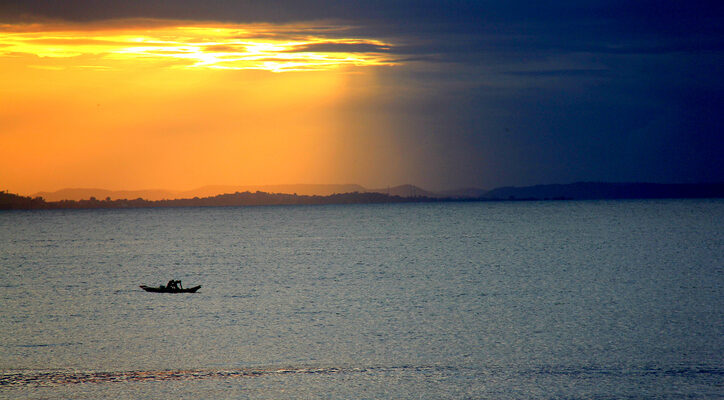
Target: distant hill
[[404, 191], [579, 190], [9, 201], [300, 189], [205, 191], [604, 190]]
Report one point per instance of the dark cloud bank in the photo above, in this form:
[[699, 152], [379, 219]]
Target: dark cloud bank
[[514, 93]]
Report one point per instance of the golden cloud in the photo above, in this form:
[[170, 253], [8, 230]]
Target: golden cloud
[[276, 48]]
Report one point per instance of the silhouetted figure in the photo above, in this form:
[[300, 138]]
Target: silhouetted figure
[[171, 284]]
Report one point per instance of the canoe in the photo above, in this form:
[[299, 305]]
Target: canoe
[[164, 289]]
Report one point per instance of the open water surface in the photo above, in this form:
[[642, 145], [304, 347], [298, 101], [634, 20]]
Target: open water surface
[[499, 300]]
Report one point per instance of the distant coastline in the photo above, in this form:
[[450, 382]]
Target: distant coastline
[[400, 194]]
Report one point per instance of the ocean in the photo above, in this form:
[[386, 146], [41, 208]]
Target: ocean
[[488, 300]]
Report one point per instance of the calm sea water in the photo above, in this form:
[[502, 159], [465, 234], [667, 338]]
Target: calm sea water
[[598, 299]]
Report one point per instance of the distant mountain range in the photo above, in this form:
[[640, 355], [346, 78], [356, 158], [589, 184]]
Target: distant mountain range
[[578, 191]]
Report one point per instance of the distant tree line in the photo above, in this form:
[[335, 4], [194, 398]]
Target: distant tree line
[[9, 201], [573, 191]]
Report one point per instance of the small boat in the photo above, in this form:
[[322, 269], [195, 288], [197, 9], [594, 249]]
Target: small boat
[[164, 289]]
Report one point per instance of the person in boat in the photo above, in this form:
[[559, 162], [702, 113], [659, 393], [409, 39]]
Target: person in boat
[[171, 284]]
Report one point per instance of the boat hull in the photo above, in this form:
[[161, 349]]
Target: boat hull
[[162, 289]]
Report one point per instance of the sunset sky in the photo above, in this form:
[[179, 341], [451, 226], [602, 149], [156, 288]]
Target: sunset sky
[[178, 95]]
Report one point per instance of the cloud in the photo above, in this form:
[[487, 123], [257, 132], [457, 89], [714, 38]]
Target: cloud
[[198, 45], [457, 31], [560, 72], [337, 47], [224, 48], [486, 92]]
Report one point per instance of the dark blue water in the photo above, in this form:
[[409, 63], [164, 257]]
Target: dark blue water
[[609, 299]]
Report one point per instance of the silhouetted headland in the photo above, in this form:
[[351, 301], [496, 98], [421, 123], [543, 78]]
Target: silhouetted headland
[[399, 194]]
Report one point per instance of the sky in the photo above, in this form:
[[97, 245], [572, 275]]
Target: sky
[[177, 95]]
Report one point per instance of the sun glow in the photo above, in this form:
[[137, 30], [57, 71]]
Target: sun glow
[[131, 104], [234, 47]]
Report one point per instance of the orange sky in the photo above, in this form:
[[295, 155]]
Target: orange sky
[[141, 104]]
